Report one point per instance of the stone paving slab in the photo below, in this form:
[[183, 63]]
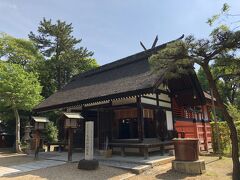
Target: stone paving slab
[[129, 159], [136, 164], [6, 171], [21, 168], [29, 166]]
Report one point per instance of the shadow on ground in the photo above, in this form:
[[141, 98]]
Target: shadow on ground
[[13, 159], [170, 174]]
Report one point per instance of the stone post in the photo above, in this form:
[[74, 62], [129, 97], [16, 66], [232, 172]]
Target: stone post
[[89, 140], [88, 163]]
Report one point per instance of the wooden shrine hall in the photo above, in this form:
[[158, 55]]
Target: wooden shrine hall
[[130, 107]]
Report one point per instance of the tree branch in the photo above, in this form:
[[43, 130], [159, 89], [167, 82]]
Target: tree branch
[[227, 75]]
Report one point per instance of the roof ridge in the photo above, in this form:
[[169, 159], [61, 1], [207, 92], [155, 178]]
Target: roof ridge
[[123, 61]]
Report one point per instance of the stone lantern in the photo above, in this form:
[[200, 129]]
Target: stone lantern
[[27, 131], [27, 139]]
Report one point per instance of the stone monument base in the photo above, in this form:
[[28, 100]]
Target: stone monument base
[[189, 167], [88, 164]]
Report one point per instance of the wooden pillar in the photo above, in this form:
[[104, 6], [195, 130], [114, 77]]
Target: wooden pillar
[[205, 136], [70, 143], [98, 123], [37, 143], [122, 151], [156, 115], [157, 98], [173, 116], [111, 116], [146, 153], [48, 148], [140, 119], [196, 129], [205, 129], [157, 122], [197, 134]]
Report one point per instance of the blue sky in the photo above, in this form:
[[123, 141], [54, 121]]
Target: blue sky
[[113, 28]]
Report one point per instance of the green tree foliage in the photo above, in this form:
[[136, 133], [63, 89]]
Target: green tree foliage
[[225, 142], [178, 57], [174, 58], [224, 20], [203, 80], [227, 73], [228, 85], [224, 12], [7, 118], [19, 90], [235, 113], [224, 133], [25, 53], [19, 51], [64, 57], [51, 132]]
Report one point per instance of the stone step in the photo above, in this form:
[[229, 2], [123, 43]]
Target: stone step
[[151, 161], [162, 161], [133, 167]]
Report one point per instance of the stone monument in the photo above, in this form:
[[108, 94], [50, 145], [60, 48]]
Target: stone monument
[[89, 141], [88, 163]]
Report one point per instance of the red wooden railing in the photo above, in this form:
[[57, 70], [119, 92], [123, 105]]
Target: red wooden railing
[[197, 112]]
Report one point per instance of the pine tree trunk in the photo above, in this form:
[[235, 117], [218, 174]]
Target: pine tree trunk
[[59, 77], [230, 123], [18, 148], [59, 84]]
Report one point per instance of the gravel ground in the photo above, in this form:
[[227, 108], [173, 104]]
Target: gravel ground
[[216, 169], [70, 171]]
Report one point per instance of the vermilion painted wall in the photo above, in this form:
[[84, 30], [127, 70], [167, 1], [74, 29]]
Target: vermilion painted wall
[[200, 130]]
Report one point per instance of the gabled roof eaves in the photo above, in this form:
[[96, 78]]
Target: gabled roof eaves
[[96, 99]]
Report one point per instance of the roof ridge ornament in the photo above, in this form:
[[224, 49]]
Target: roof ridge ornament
[[156, 40], [153, 45]]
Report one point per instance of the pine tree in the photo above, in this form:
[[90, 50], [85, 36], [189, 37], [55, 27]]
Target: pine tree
[[64, 56], [179, 57]]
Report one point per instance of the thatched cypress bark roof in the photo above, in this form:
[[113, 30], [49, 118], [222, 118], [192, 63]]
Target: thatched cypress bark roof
[[127, 76]]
